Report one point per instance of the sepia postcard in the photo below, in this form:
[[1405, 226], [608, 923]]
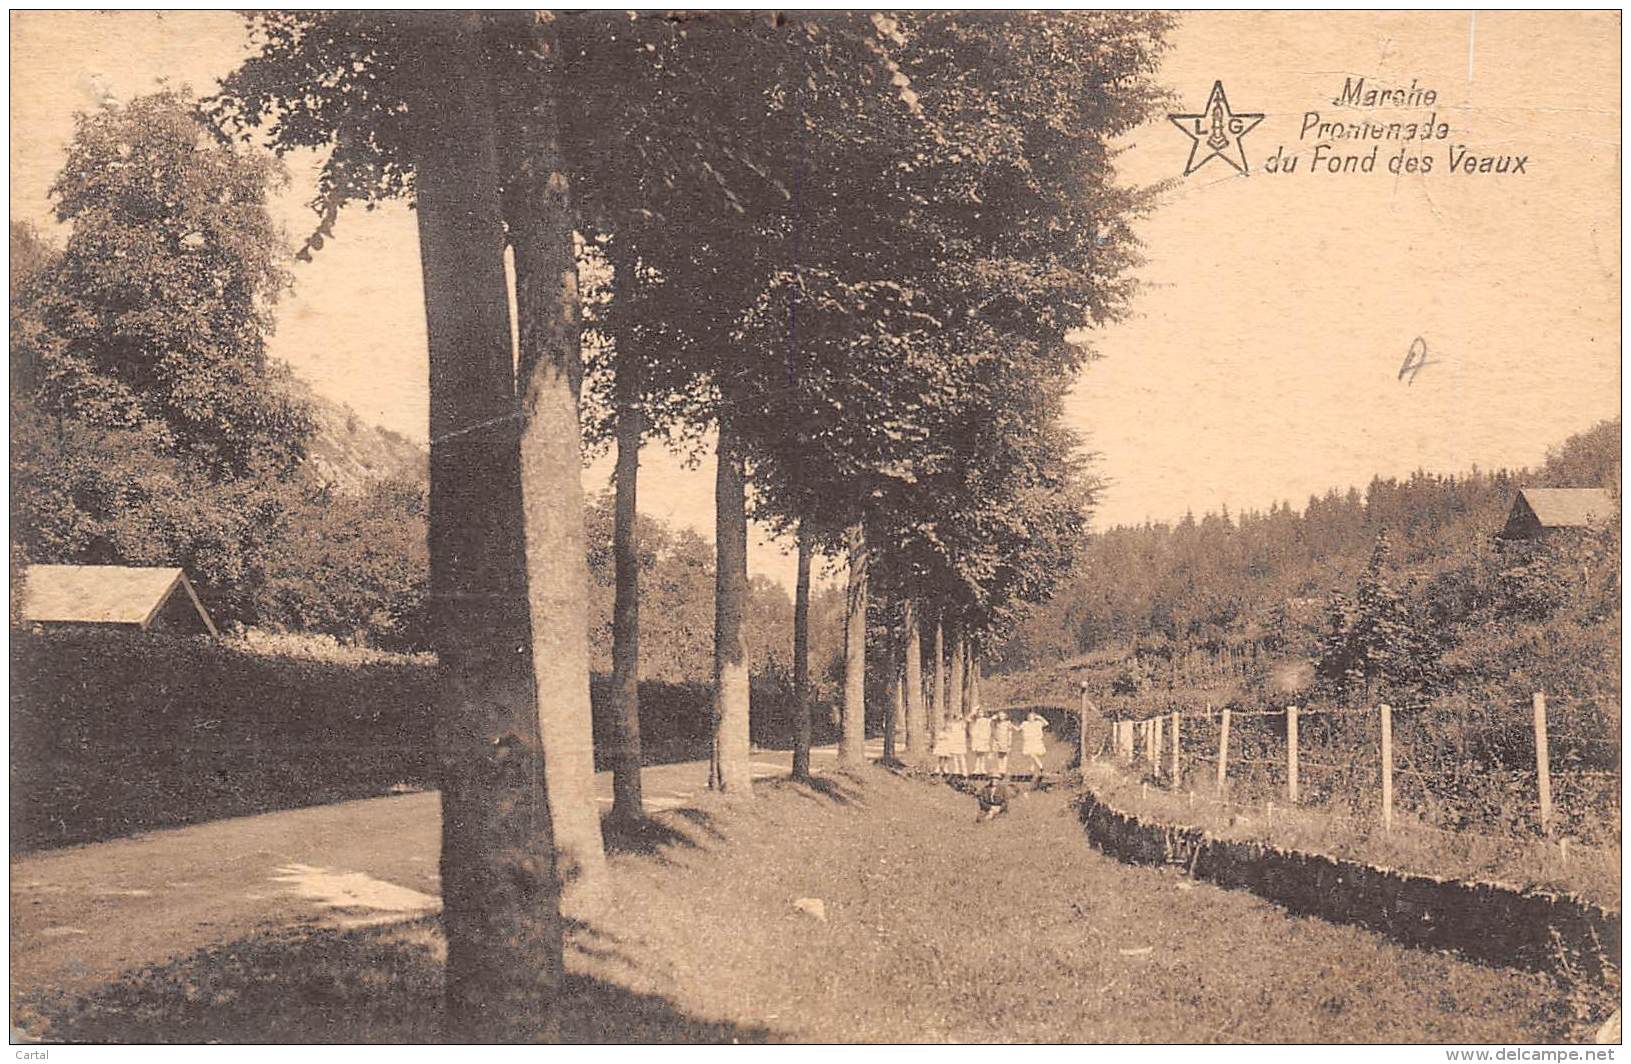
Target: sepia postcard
[[807, 527]]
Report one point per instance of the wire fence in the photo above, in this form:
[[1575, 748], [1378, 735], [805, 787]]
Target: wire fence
[[1507, 773], [1566, 845]]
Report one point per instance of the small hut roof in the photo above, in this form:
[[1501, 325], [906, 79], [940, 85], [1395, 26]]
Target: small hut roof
[[1568, 507], [104, 594]]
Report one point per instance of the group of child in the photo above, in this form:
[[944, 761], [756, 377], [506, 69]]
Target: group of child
[[988, 738]]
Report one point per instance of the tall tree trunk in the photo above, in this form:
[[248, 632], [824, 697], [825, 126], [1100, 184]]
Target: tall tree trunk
[[730, 771], [937, 708], [955, 706], [500, 882], [852, 740], [918, 742], [895, 723], [968, 675], [542, 222], [801, 658], [627, 804]]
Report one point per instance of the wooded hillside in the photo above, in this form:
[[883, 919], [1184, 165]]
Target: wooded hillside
[[1258, 582]]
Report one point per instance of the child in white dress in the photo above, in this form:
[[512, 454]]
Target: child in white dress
[[1031, 744], [979, 740], [957, 746], [1002, 740], [942, 749]]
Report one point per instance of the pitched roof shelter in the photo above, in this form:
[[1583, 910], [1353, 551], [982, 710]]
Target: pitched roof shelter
[[1537, 511], [125, 596]]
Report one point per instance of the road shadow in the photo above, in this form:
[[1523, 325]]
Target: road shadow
[[370, 986]]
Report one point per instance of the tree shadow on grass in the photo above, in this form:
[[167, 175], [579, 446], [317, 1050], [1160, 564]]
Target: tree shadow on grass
[[589, 940], [604, 1013], [650, 837], [378, 985], [703, 821], [819, 787]]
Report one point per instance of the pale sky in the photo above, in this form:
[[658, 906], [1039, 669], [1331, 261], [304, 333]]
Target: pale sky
[[1262, 359]]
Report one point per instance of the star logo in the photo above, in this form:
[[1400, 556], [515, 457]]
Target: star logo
[[1216, 133]]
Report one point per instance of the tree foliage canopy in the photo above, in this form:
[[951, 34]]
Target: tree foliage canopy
[[155, 315]]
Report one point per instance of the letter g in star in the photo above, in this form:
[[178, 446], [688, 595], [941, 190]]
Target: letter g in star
[[1216, 132]]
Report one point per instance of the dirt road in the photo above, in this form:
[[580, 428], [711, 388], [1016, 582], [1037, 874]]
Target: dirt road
[[84, 914]]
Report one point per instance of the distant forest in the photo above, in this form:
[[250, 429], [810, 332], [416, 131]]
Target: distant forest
[[1255, 583]]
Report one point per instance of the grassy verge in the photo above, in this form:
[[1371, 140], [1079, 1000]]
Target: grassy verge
[[936, 929], [1592, 874]]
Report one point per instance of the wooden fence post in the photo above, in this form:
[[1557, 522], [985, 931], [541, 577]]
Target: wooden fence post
[[1081, 732], [1126, 747], [1223, 751], [1156, 749], [1177, 768], [1543, 764], [1387, 767], [1291, 754]]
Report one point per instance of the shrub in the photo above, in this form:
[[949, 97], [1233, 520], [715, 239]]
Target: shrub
[[116, 732], [120, 732]]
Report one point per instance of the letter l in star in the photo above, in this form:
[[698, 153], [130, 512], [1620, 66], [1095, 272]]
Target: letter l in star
[[1216, 133]]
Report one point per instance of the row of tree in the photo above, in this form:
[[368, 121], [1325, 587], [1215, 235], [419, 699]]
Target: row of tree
[[277, 545], [854, 252], [107, 468]]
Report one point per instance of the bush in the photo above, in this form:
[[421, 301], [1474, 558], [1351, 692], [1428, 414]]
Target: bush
[[121, 732], [116, 732], [356, 567]]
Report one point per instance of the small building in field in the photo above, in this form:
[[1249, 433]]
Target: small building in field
[[1537, 511], [116, 596]]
